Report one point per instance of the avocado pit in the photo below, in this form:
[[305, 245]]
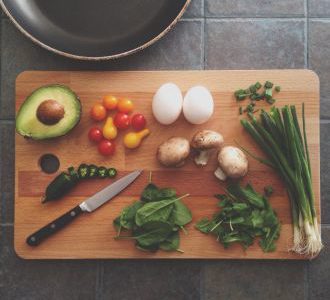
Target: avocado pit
[[50, 112]]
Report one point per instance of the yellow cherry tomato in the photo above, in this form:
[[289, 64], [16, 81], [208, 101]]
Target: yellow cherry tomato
[[98, 112], [125, 105], [133, 139], [109, 129], [110, 102]]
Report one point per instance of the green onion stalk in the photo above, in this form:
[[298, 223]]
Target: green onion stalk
[[279, 136]]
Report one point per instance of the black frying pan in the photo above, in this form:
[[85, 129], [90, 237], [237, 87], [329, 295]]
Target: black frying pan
[[94, 29]]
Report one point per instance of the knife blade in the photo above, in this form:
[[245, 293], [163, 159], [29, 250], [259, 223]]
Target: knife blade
[[89, 205]]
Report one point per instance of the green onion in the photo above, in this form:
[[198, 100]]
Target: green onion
[[279, 136], [240, 110], [253, 88], [268, 94], [268, 85], [270, 101], [258, 85], [255, 94]]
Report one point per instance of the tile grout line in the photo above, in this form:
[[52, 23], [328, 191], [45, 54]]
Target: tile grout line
[[320, 18], [202, 282], [7, 224], [306, 61], [99, 281], [306, 280], [203, 36], [191, 19], [253, 18], [308, 292], [256, 18], [7, 121]]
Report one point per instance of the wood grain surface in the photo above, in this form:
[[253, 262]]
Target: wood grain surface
[[91, 236]]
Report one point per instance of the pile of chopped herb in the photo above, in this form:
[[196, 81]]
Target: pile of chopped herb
[[244, 215], [155, 220], [256, 92]]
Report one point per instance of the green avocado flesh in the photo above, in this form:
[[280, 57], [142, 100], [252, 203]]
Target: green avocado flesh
[[28, 124]]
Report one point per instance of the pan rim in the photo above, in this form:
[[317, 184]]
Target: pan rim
[[95, 58]]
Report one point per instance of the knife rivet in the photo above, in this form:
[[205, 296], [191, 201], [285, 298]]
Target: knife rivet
[[52, 226], [33, 239], [72, 214]]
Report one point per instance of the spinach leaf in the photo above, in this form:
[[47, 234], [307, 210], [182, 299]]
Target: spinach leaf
[[166, 193], [155, 220], [153, 211], [204, 225], [181, 214], [116, 223], [151, 248], [149, 193], [127, 216], [153, 232], [171, 243], [152, 193]]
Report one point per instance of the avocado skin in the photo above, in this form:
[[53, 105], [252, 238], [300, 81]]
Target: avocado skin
[[56, 85]]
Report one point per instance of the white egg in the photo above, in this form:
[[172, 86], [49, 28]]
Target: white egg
[[198, 105], [167, 103]]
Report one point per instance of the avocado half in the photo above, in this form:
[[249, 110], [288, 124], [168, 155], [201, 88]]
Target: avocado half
[[50, 111]]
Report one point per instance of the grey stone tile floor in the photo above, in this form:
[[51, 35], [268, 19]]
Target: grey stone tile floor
[[213, 34]]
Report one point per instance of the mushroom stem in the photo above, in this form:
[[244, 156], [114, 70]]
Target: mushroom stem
[[202, 157], [220, 174]]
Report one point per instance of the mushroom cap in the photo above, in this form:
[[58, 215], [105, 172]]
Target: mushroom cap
[[173, 152], [206, 139], [233, 161]]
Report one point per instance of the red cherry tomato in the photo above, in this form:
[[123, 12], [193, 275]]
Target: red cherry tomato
[[95, 134], [122, 120], [138, 122], [106, 147]]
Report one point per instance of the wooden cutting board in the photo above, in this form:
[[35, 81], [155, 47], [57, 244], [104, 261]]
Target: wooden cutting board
[[91, 236]]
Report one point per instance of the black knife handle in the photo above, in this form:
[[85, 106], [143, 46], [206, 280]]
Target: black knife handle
[[36, 238]]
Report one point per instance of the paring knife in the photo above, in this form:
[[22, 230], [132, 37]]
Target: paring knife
[[88, 205]]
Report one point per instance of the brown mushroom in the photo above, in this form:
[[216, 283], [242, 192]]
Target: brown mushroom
[[205, 142], [233, 163], [173, 152]]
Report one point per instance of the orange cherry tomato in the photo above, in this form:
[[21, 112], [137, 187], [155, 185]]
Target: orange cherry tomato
[[110, 102], [98, 112], [125, 105]]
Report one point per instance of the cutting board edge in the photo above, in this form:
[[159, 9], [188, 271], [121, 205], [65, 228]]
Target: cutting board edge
[[24, 73], [27, 257]]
